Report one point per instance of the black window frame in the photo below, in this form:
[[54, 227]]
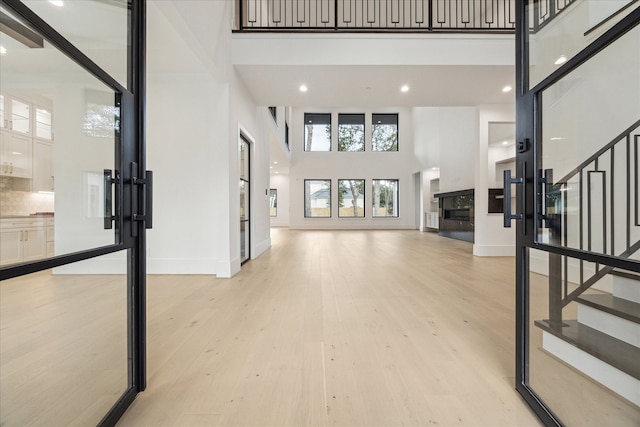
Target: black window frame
[[317, 118], [373, 213], [386, 119], [344, 119], [305, 198], [364, 197]]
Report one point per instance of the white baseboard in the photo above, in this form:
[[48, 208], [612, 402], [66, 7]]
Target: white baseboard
[[262, 247]]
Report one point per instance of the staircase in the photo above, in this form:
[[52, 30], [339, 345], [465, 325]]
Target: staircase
[[603, 342]]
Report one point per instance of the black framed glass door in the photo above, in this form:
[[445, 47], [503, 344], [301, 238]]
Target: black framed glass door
[[578, 234], [245, 199], [75, 206]]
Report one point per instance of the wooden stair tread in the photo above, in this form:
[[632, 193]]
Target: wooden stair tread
[[608, 303], [626, 274], [610, 350]]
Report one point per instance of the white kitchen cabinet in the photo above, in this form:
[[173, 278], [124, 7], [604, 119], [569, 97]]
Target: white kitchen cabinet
[[15, 155], [3, 112], [20, 116], [34, 244], [10, 246], [22, 239], [50, 236], [42, 166], [42, 125], [432, 220]]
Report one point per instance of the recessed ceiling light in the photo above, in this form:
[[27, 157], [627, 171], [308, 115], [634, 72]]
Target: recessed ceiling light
[[277, 172], [507, 89], [3, 50], [405, 88], [557, 138], [505, 142], [58, 3], [561, 60], [275, 163], [303, 88], [435, 168], [270, 167]]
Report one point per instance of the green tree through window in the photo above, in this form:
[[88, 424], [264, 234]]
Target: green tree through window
[[351, 132], [351, 198], [384, 135]]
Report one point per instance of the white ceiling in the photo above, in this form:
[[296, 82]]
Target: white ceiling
[[377, 85]]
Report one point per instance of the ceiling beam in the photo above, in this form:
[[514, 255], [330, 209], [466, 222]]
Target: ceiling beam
[[19, 32]]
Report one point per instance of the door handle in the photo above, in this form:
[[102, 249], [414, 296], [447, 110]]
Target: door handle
[[109, 180], [145, 211], [508, 180]]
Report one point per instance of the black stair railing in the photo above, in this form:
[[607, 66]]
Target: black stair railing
[[600, 193], [391, 15], [544, 11], [378, 15]]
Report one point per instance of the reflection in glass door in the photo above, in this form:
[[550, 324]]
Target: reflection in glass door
[[578, 239], [245, 208], [71, 249]]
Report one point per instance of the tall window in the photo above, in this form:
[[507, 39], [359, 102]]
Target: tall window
[[384, 136], [317, 132], [317, 198], [351, 198], [351, 132], [385, 198]]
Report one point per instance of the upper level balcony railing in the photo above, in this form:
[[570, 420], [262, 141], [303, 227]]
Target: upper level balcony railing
[[390, 15]]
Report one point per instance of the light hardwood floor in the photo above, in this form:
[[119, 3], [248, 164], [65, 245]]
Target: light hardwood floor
[[327, 328], [347, 328]]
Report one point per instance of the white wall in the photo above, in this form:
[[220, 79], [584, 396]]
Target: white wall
[[366, 165], [446, 137], [281, 183], [195, 110], [491, 238]]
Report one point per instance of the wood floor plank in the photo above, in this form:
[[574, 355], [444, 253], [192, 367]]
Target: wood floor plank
[[327, 328]]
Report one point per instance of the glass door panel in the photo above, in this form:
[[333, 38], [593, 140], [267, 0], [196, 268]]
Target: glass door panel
[[582, 360], [590, 170], [72, 327], [63, 183], [98, 28], [559, 29], [245, 194], [578, 240], [63, 345]]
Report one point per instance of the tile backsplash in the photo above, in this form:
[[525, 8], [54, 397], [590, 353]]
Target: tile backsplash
[[15, 202]]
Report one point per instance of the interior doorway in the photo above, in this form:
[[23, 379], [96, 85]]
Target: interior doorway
[[245, 199]]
